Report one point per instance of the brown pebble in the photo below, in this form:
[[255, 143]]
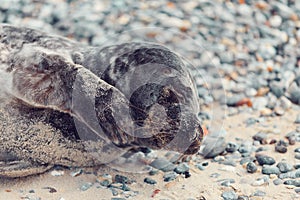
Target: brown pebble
[[273, 141], [51, 189], [280, 149]]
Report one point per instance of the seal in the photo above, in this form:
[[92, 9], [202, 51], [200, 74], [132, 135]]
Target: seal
[[64, 103]]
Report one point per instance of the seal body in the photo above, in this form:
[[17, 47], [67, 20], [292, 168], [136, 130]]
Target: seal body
[[63, 103]]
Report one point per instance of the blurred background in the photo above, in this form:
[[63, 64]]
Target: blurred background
[[250, 48]]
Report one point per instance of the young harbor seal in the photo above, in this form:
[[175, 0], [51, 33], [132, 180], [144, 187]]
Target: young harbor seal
[[64, 103]]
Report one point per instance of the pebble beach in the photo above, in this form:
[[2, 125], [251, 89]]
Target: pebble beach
[[245, 60]]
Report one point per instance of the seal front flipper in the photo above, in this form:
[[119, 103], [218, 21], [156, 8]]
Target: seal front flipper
[[21, 168]]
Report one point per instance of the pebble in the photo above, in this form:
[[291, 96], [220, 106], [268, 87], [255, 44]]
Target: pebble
[[297, 121], [291, 174], [231, 147], [163, 164], [201, 165], [280, 148], [227, 182], [277, 181], [297, 156], [229, 195], [57, 173], [270, 170], [243, 197], [86, 186], [261, 181], [259, 193], [264, 160], [170, 176], [284, 167], [292, 182], [121, 179], [251, 167], [261, 137], [182, 168], [104, 180], [76, 173], [213, 146]]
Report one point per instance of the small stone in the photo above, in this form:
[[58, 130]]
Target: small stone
[[297, 121], [227, 182], [57, 173], [292, 182], [202, 165], [121, 179], [261, 137], [163, 164], [297, 190], [76, 173], [270, 170], [259, 193], [170, 176], [261, 181], [243, 197], [86, 186], [215, 175], [297, 156], [153, 172], [297, 166], [277, 181], [297, 150], [229, 195], [280, 149], [264, 160], [275, 21], [231, 147], [251, 167], [284, 167], [291, 174], [104, 180], [213, 147], [182, 168]]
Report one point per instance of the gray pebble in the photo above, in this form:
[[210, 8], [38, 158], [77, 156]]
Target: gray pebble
[[251, 167], [243, 197], [163, 164], [270, 170], [277, 181], [261, 137], [150, 181], [231, 147], [297, 166], [280, 148], [291, 174], [259, 193], [86, 186], [297, 156], [229, 195], [284, 167], [227, 182], [121, 179], [264, 160], [292, 182], [297, 121], [170, 176], [182, 168]]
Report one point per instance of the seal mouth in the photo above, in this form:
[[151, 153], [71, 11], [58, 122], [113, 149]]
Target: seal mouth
[[196, 142]]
